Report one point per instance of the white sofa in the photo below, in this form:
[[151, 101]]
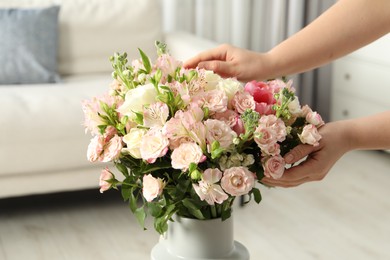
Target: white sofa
[[42, 140]]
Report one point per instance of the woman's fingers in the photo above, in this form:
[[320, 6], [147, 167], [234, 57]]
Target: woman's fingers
[[219, 53], [298, 153]]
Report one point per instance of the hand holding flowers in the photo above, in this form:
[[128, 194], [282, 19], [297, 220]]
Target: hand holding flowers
[[187, 141]]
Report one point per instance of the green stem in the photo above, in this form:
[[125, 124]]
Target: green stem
[[213, 211]]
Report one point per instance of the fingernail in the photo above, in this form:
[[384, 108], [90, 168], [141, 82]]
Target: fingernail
[[289, 158]]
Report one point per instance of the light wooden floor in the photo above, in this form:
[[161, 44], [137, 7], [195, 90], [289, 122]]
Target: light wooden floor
[[346, 216]]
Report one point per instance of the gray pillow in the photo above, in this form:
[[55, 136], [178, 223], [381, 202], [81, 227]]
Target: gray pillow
[[28, 45]]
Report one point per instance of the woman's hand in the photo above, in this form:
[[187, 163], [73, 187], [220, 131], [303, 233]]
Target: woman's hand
[[229, 61], [320, 159]]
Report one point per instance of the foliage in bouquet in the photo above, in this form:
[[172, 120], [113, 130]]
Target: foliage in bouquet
[[189, 142]]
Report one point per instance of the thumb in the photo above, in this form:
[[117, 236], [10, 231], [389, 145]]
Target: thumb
[[299, 152]]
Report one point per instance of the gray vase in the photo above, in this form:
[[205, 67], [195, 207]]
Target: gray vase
[[192, 239]]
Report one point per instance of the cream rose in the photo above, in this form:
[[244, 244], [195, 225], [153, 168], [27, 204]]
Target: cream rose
[[133, 142], [230, 87], [137, 98], [294, 107], [211, 79]]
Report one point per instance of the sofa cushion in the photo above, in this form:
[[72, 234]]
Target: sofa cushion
[[28, 49], [92, 30], [42, 126]]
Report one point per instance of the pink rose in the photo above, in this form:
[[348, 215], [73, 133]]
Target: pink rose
[[274, 167], [112, 149], [95, 148], [208, 190], [314, 118], [152, 187], [238, 181], [154, 144], [186, 154], [310, 135], [243, 101], [105, 177]]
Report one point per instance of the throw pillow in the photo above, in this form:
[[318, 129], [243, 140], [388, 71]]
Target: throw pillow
[[28, 45]]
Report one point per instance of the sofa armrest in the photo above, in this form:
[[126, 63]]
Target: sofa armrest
[[183, 46]]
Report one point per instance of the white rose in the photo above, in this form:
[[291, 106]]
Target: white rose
[[230, 86], [133, 142], [137, 98], [212, 79], [294, 107]]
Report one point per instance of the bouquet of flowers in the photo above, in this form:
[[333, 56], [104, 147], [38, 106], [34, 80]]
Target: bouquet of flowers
[[187, 141]]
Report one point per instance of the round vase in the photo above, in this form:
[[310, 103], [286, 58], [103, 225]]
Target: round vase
[[193, 239]]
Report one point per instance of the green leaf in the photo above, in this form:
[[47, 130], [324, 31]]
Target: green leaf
[[256, 195], [155, 209], [133, 201], [161, 223], [145, 61], [126, 190], [192, 208], [123, 169], [140, 214]]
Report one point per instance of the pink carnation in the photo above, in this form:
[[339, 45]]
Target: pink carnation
[[229, 117], [219, 131], [276, 125], [215, 100]]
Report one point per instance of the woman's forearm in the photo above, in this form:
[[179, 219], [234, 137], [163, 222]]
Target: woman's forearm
[[343, 28], [371, 132]]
